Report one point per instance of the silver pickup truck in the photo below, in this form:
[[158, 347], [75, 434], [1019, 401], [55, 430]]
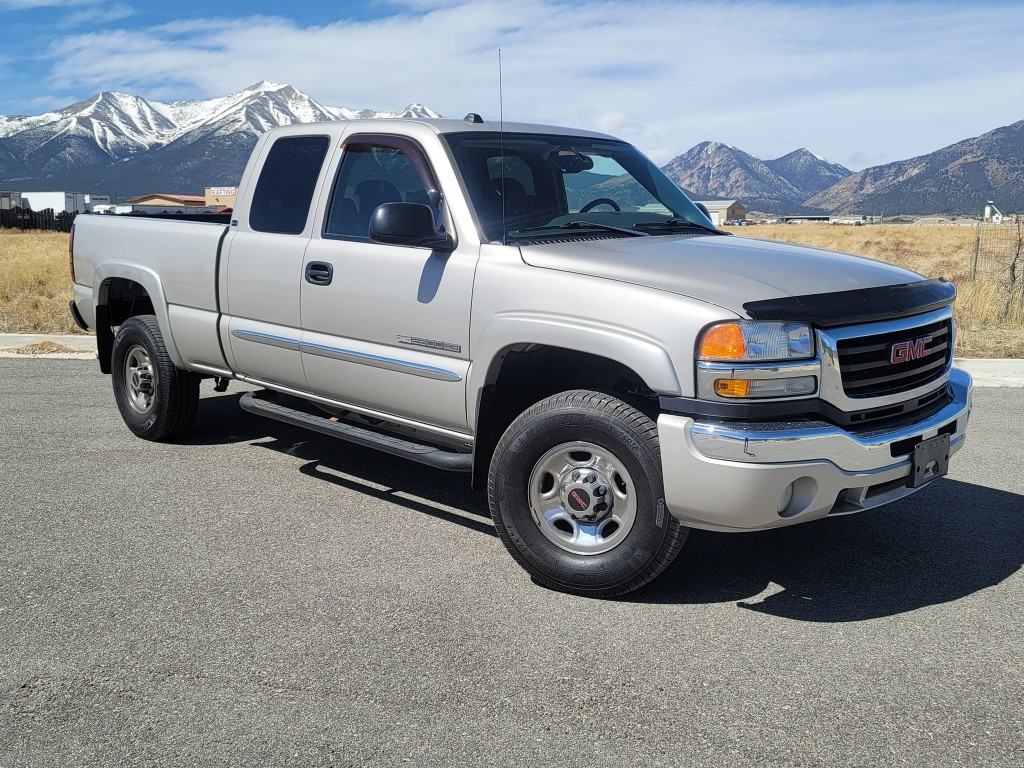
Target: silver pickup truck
[[543, 309]]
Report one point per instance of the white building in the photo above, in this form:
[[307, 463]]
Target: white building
[[722, 211], [59, 201], [992, 214], [10, 200]]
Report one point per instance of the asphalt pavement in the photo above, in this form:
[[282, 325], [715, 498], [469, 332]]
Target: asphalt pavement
[[256, 595]]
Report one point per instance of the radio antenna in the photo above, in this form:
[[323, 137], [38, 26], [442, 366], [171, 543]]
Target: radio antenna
[[501, 144]]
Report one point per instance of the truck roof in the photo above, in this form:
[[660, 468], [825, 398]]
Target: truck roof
[[437, 125]]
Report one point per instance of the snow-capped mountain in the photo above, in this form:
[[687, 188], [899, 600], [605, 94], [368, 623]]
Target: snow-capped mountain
[[120, 144]]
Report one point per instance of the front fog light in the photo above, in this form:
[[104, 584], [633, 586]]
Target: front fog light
[[800, 385], [785, 498], [732, 387]]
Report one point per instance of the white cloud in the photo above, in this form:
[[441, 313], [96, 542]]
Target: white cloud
[[854, 83], [21, 5], [97, 14]]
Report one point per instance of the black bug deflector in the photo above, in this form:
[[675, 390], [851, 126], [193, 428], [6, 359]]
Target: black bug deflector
[[863, 305]]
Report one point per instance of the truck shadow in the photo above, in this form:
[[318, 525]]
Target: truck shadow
[[946, 542], [444, 495]]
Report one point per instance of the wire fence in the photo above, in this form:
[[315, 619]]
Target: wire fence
[[999, 259], [23, 218]]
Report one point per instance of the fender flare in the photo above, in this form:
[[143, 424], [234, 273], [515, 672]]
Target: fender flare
[[149, 280], [645, 357]]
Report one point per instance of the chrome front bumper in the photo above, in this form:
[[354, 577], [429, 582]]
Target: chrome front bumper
[[734, 476]]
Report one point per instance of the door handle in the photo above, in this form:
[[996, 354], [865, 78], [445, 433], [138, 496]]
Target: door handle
[[319, 273]]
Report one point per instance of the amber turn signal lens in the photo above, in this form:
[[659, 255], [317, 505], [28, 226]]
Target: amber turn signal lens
[[732, 387], [723, 342]]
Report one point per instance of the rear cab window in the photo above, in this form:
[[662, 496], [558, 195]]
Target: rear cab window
[[287, 181]]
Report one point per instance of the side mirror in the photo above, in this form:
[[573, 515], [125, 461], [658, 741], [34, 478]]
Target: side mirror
[[703, 209], [410, 224]]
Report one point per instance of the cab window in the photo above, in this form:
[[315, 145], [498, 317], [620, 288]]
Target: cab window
[[373, 173]]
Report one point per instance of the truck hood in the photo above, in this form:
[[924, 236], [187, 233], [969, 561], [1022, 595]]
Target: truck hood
[[727, 271]]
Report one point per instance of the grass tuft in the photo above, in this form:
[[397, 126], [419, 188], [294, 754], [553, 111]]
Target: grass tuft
[[46, 347]]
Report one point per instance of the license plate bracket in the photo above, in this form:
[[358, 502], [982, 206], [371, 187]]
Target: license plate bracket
[[930, 460]]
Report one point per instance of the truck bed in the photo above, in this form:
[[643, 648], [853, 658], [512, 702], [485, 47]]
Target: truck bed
[[182, 252]]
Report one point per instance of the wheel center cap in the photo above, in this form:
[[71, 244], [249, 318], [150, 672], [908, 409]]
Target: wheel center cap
[[585, 495], [136, 381], [578, 500]]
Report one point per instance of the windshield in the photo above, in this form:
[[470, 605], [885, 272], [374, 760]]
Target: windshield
[[526, 187]]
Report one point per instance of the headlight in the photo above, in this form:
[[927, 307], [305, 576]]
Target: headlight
[[749, 341]]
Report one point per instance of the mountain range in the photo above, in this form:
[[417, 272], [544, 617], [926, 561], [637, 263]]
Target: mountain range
[[119, 144], [957, 179], [716, 170]]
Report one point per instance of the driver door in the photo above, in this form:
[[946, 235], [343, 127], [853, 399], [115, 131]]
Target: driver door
[[389, 331]]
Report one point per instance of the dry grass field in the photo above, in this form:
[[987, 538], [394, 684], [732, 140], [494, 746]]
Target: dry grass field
[[982, 328], [35, 285]]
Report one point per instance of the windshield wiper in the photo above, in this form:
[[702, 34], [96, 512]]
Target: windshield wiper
[[676, 224], [575, 224]]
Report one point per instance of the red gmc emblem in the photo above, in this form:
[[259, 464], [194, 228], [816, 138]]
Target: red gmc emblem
[[905, 351]]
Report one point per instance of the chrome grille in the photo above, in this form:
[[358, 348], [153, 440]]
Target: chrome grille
[[866, 362]]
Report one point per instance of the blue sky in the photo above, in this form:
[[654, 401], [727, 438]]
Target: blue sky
[[859, 83]]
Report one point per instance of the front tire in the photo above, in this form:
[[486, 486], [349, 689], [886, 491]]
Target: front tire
[[576, 493], [156, 400]]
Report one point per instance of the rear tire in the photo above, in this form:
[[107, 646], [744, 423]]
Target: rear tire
[[156, 400], [576, 493]]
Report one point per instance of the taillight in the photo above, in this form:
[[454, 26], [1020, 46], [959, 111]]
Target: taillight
[[71, 252]]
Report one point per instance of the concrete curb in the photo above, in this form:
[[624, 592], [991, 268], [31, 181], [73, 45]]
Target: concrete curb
[[991, 372], [84, 346]]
